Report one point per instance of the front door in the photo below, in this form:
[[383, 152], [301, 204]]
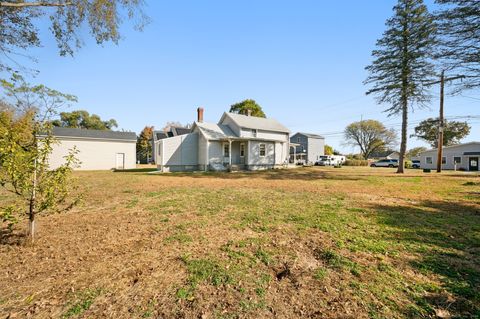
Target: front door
[[473, 164], [120, 161]]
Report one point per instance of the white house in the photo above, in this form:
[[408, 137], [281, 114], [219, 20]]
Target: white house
[[236, 142], [462, 156], [97, 150]]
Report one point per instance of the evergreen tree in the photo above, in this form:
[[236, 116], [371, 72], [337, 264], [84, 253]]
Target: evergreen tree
[[401, 69], [459, 25]]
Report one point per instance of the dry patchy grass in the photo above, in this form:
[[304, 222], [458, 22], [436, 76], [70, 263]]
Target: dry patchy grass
[[316, 243]]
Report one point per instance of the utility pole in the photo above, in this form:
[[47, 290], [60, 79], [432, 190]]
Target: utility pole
[[441, 124]]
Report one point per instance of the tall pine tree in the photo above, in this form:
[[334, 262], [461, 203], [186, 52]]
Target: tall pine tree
[[402, 66], [459, 25]]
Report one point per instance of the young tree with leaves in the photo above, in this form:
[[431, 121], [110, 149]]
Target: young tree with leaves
[[453, 131], [328, 150], [144, 143], [459, 27], [18, 30], [83, 119], [26, 143], [370, 136], [247, 106], [402, 68], [414, 152]]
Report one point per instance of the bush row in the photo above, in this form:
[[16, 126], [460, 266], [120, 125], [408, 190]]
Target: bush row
[[356, 162]]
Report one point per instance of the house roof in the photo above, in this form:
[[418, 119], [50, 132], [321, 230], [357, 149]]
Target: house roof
[[160, 135], [309, 135], [451, 146], [93, 134], [214, 131], [382, 154], [253, 122], [177, 130]]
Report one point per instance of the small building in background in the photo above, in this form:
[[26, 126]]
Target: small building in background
[[306, 148], [461, 157], [388, 154], [97, 150]]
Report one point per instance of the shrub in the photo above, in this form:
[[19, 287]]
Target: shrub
[[408, 164], [356, 162]]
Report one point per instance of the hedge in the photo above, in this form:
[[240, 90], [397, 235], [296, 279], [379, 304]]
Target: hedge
[[352, 162]]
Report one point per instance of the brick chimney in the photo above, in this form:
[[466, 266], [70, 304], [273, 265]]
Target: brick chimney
[[200, 114], [249, 112]]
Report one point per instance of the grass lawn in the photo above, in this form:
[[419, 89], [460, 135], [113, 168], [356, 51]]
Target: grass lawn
[[303, 243]]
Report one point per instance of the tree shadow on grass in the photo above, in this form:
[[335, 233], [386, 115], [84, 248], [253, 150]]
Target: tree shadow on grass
[[446, 237], [300, 174]]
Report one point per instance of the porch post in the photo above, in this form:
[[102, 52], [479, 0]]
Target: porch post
[[294, 155], [230, 153]]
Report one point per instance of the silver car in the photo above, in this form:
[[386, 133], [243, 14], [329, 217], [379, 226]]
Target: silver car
[[385, 163]]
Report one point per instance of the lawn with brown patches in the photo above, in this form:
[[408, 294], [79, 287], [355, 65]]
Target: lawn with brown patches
[[314, 242]]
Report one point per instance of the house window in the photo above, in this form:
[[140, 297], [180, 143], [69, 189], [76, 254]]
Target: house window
[[444, 160], [429, 160], [254, 133], [262, 150], [242, 150], [457, 160], [299, 139], [226, 150]]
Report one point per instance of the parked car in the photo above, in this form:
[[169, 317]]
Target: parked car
[[385, 163], [415, 163]]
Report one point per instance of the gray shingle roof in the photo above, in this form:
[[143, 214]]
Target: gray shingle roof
[[310, 135], [258, 123], [215, 131], [93, 134]]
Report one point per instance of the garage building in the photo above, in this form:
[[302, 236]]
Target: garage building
[[97, 150]]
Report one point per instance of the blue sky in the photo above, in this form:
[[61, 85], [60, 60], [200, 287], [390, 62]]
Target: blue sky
[[302, 61]]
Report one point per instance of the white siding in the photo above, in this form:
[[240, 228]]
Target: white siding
[[254, 153], [232, 125], [449, 153], [315, 149], [267, 135], [215, 152], [94, 154], [202, 150], [179, 150]]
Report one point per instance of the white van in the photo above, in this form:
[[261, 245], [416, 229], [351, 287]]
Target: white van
[[331, 160]]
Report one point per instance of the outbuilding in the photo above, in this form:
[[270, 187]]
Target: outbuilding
[[97, 150], [461, 157]]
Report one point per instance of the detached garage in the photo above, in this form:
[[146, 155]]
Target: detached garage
[[462, 157], [97, 150]]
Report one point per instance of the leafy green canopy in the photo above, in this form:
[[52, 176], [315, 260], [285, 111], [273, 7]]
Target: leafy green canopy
[[26, 143], [18, 21], [402, 65], [83, 119], [247, 105], [453, 131], [371, 136]]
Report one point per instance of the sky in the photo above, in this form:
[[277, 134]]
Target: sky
[[302, 61]]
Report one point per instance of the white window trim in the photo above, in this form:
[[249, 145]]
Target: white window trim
[[260, 150], [223, 149], [426, 160], [454, 162], [242, 144]]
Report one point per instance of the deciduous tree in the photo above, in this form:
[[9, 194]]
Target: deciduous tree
[[144, 143], [414, 152], [370, 135], [19, 22], [328, 150], [83, 119], [402, 68], [247, 106], [26, 143], [453, 131]]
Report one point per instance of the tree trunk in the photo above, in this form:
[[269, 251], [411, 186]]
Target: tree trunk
[[403, 143], [32, 206]]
